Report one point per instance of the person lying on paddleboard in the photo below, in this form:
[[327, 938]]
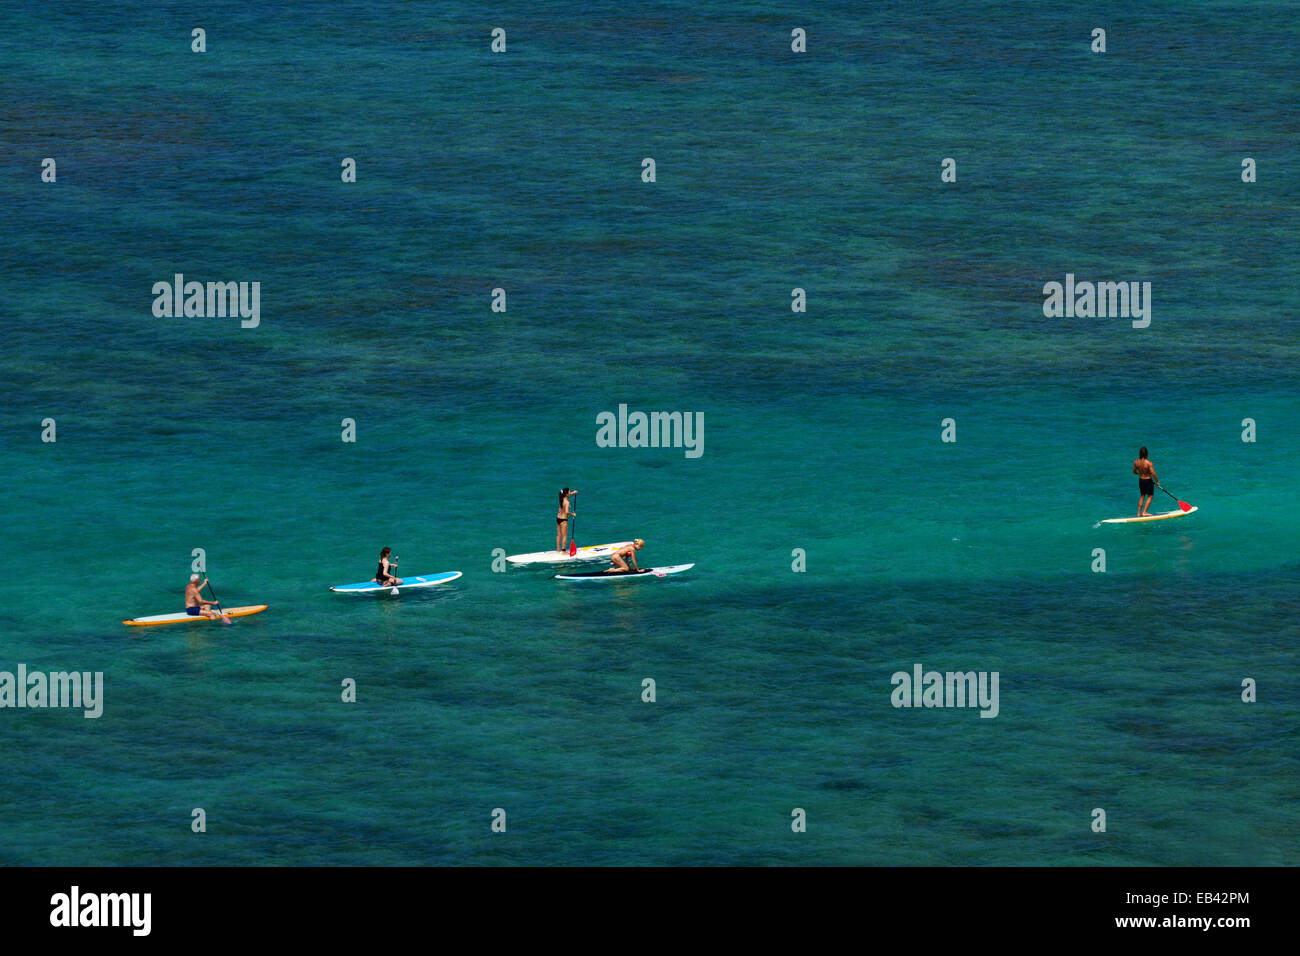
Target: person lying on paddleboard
[[562, 518], [195, 605], [382, 575], [623, 555], [1147, 481]]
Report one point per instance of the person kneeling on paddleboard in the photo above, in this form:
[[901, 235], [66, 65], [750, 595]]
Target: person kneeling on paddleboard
[[562, 518], [1147, 481], [195, 605], [623, 554], [382, 575]]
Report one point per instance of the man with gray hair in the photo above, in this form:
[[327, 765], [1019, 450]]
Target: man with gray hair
[[195, 605]]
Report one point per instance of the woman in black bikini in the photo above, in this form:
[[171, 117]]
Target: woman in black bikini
[[382, 575], [562, 518]]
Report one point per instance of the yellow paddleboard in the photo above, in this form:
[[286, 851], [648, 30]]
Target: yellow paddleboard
[[181, 617], [1160, 517]]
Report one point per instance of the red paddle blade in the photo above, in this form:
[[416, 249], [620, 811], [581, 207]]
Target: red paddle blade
[[1185, 506], [573, 546]]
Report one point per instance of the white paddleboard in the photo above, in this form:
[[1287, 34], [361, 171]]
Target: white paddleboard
[[414, 581], [1160, 517], [625, 575], [592, 552]]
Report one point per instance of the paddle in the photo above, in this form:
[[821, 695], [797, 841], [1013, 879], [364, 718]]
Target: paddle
[[224, 619], [1182, 504], [573, 541]]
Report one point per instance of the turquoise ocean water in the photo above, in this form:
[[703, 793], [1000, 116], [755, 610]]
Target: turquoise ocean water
[[822, 431]]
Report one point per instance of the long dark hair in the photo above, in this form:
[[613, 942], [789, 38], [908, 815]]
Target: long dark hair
[[564, 493], [1143, 452], [385, 553]]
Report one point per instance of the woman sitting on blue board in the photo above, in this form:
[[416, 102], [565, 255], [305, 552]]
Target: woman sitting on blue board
[[382, 575]]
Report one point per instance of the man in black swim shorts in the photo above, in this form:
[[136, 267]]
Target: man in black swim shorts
[[1147, 481]]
